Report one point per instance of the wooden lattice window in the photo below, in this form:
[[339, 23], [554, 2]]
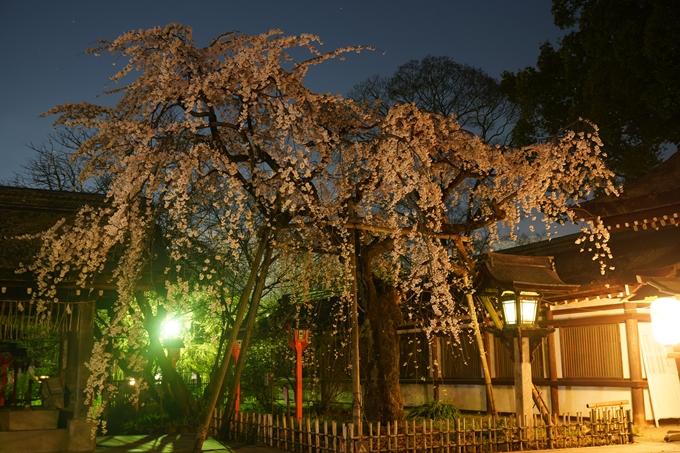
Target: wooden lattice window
[[459, 359], [591, 352], [504, 367], [414, 356]]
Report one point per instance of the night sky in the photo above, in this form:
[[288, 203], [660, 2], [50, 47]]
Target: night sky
[[39, 40]]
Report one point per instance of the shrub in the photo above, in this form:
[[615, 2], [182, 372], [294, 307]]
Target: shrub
[[434, 410]]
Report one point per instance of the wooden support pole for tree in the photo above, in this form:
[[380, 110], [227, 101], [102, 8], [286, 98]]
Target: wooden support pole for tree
[[249, 324], [540, 404], [356, 377], [490, 400], [202, 431]]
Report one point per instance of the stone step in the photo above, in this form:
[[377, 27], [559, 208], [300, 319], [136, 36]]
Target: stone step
[[34, 441]]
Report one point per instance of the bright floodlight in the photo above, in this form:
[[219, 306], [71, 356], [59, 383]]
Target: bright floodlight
[[171, 328], [665, 313]]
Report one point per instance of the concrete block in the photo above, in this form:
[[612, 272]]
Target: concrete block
[[28, 419], [672, 437]]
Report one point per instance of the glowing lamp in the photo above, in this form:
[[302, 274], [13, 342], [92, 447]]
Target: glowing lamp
[[171, 328], [665, 313], [519, 310]]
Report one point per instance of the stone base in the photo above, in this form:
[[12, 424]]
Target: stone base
[[35, 431], [28, 419], [80, 438]]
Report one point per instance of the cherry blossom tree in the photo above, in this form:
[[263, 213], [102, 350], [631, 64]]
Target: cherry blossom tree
[[232, 126]]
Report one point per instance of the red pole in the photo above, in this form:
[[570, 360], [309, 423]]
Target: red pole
[[16, 375], [299, 343], [235, 353], [298, 380], [4, 383]]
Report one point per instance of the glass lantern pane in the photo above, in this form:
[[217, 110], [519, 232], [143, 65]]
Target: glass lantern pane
[[528, 310], [510, 311]]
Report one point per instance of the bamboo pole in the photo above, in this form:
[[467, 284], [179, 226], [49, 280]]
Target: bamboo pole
[[249, 324], [356, 377], [491, 402], [202, 431], [380, 229]]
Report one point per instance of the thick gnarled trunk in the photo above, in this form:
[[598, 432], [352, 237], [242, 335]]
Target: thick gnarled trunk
[[178, 399], [382, 394]]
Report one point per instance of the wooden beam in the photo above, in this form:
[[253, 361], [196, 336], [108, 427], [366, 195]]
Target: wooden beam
[[596, 320]]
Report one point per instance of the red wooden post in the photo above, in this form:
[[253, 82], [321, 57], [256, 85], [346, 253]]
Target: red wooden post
[[299, 343], [5, 359], [17, 363], [236, 350]]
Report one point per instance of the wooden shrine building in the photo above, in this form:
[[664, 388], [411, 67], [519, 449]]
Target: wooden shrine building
[[60, 423], [601, 348]]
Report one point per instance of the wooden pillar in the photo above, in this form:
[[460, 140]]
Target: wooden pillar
[[635, 365], [76, 350], [523, 382], [552, 366], [80, 342], [435, 367], [489, 362]]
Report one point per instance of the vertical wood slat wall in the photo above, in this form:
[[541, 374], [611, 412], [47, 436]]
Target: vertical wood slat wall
[[591, 351], [459, 359]]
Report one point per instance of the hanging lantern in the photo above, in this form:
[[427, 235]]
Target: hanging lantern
[[665, 313]]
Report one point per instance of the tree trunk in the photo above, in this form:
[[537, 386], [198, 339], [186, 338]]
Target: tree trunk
[[177, 397], [382, 399]]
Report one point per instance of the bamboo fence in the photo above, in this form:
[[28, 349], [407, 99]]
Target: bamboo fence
[[468, 435]]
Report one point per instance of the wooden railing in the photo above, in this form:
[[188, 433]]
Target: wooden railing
[[474, 434]]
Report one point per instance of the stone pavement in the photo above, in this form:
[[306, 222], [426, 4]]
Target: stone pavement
[[648, 440], [171, 443]]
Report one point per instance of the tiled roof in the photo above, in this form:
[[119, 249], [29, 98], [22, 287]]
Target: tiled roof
[[28, 211], [528, 273], [652, 196]]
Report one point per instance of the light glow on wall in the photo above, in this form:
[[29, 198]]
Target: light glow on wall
[[665, 313]]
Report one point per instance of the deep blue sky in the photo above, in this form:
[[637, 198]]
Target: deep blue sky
[[39, 40]]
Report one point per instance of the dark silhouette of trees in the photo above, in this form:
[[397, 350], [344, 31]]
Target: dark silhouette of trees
[[618, 66]]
